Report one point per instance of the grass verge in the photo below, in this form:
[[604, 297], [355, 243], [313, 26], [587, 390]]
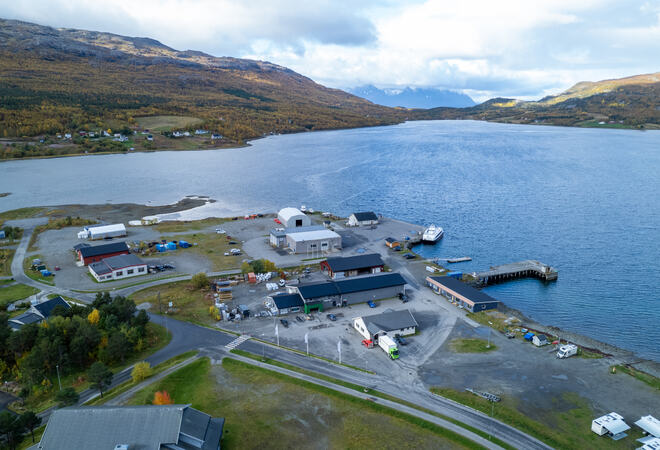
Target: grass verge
[[6, 256], [471, 346], [641, 376], [16, 292]]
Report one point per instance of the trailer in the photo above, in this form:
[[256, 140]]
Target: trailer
[[389, 346], [566, 351]]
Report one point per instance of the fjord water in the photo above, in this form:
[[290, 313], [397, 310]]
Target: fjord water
[[586, 201]]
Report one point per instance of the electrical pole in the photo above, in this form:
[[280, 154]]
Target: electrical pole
[[57, 366]]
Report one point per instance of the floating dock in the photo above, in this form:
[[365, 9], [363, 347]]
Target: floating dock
[[523, 269]]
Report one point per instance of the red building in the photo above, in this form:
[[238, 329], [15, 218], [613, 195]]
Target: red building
[[98, 252]]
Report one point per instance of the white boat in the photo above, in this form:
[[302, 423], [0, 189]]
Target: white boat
[[303, 208], [432, 234]]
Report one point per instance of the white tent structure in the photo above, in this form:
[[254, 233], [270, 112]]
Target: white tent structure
[[103, 231], [610, 424], [292, 217]]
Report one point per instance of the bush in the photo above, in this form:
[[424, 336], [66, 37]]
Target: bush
[[200, 280], [141, 371], [66, 397]]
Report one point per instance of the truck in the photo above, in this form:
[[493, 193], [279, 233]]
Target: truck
[[389, 346], [567, 350]]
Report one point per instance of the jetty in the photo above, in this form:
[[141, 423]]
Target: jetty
[[453, 260], [522, 269]]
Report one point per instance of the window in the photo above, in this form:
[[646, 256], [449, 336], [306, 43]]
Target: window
[[129, 272], [118, 274], [312, 245], [141, 269]]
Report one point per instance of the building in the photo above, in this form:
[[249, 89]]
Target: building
[[118, 267], [650, 425], [611, 424], [292, 217], [392, 243], [314, 241], [395, 323], [540, 340], [465, 295], [38, 312], [360, 219], [147, 427], [349, 291], [103, 231], [278, 235], [352, 265], [287, 303], [91, 254]]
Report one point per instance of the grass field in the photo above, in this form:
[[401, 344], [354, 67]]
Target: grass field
[[6, 255], [567, 426], [35, 274], [471, 346], [641, 376], [16, 292], [212, 246], [176, 226], [291, 413], [21, 213], [166, 123]]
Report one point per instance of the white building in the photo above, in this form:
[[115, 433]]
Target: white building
[[395, 323], [103, 231], [316, 241], [359, 219], [118, 267], [611, 424], [292, 217]]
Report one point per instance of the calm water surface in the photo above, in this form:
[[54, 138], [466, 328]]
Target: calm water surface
[[586, 201]]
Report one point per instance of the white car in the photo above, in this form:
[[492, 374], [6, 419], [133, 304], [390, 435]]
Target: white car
[[220, 231]]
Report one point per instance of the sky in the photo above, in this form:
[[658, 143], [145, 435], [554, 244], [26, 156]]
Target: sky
[[505, 48]]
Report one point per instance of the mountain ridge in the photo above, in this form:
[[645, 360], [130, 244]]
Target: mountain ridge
[[413, 97]]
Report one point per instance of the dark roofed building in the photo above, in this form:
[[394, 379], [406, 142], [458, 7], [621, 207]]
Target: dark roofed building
[[362, 218], [118, 267], [392, 323], [38, 313], [146, 427], [351, 266], [96, 253], [45, 309], [468, 297]]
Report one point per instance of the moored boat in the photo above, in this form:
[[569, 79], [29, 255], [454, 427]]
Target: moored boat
[[432, 234]]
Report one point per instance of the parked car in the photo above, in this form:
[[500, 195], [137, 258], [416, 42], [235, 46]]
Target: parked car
[[403, 297], [410, 256], [371, 304], [332, 317], [400, 340], [220, 231], [510, 334], [285, 323], [300, 319]]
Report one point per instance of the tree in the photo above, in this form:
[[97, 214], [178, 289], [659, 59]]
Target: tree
[[30, 421], [100, 376], [118, 347], [162, 398], [94, 317], [200, 280], [141, 371], [11, 428], [66, 397]]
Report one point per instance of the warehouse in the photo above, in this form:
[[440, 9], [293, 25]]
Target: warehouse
[[350, 291], [103, 231], [466, 296], [286, 303], [278, 235], [360, 219], [394, 323], [117, 268], [352, 265], [96, 253], [314, 241], [292, 217]]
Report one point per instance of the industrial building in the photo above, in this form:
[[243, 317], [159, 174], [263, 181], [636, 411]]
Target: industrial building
[[287, 303], [350, 266], [292, 217], [278, 235], [313, 242], [360, 219], [91, 254], [344, 292], [466, 296], [394, 323], [118, 267], [103, 231]]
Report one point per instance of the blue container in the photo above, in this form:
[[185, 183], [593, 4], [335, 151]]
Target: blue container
[[161, 248], [529, 336], [457, 275], [171, 246], [46, 273], [184, 244]]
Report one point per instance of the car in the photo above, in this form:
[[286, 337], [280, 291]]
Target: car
[[410, 256], [233, 243], [332, 317], [403, 297], [510, 334], [220, 231], [371, 304], [169, 266], [368, 343], [400, 340], [285, 323], [300, 319]]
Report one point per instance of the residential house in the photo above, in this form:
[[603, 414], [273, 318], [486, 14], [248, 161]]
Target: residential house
[[362, 219], [38, 312], [394, 323]]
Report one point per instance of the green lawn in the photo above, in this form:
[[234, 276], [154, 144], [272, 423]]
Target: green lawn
[[166, 123], [212, 246], [471, 346], [16, 292], [21, 213], [6, 255], [293, 413], [35, 274], [641, 376]]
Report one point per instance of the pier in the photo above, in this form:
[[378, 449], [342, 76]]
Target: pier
[[453, 260], [523, 269]]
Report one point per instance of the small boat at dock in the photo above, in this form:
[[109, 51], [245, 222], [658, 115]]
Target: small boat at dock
[[432, 234]]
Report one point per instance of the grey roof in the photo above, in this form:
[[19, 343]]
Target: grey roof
[[141, 427], [46, 308], [390, 321], [475, 295], [121, 261], [339, 264], [26, 317], [368, 215], [103, 249], [81, 245], [347, 286], [279, 232], [287, 300], [100, 268]]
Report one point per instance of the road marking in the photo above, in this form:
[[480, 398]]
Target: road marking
[[236, 342]]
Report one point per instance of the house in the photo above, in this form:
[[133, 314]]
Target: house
[[465, 295], [341, 267], [96, 253], [198, 132], [38, 312], [611, 424], [359, 219], [394, 323], [287, 303], [313, 241], [278, 235], [118, 267], [540, 340], [292, 217], [392, 243], [216, 136], [349, 291], [103, 231], [148, 427]]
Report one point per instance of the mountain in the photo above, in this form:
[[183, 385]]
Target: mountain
[[631, 102], [57, 80], [413, 98]]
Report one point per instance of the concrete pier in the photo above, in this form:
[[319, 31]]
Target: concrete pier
[[522, 269]]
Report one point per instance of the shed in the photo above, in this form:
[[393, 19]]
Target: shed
[[393, 323], [103, 231], [314, 241], [529, 336], [90, 254], [362, 218], [252, 278], [391, 242], [540, 340], [611, 424], [292, 217]]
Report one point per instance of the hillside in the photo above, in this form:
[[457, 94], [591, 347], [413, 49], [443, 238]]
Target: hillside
[[62, 80], [413, 97], [632, 102]]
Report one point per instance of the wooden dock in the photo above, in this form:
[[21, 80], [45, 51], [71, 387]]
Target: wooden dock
[[523, 269]]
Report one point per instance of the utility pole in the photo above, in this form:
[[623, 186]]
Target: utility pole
[[57, 366]]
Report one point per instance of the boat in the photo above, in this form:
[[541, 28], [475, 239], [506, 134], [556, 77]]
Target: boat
[[303, 208], [432, 234]]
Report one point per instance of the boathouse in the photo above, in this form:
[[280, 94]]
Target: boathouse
[[465, 295]]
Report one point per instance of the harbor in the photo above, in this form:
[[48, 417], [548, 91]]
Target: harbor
[[522, 269]]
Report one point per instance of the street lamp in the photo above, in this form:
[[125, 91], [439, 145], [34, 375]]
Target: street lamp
[[489, 330], [57, 366]]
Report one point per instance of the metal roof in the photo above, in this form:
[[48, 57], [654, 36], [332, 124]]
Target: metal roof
[[288, 213], [474, 295], [390, 321], [350, 285], [287, 300], [313, 235], [280, 232], [649, 424], [100, 268], [26, 318], [103, 249], [367, 215], [121, 261], [107, 228], [317, 290], [339, 264], [46, 308]]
